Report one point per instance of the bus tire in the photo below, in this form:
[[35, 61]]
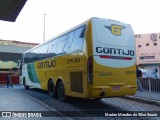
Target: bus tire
[[51, 89], [61, 92], [25, 86]]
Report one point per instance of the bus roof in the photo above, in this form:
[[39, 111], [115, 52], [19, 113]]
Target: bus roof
[[69, 30]]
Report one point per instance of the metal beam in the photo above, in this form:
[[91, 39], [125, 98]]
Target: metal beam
[[10, 9]]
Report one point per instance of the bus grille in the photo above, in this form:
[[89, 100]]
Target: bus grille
[[76, 82]]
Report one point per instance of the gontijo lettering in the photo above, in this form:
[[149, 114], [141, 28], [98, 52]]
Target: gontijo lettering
[[46, 64], [114, 51]]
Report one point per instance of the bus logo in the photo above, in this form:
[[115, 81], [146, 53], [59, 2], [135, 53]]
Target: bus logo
[[115, 29]]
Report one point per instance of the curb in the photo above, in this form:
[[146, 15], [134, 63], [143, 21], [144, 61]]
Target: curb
[[144, 100]]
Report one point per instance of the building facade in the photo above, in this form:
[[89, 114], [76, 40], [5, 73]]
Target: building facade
[[10, 53], [148, 53]]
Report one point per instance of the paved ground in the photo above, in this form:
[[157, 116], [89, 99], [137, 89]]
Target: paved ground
[[145, 96], [19, 99], [153, 97], [149, 95], [12, 100]]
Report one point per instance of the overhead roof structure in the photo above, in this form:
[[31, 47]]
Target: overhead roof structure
[[12, 50], [10, 9]]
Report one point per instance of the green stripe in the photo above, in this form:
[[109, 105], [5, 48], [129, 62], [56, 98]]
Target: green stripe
[[32, 73]]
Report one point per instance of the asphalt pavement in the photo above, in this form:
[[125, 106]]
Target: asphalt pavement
[[14, 101], [16, 105]]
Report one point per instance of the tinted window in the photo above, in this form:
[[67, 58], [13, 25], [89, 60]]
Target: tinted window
[[62, 44], [44, 48], [76, 44], [31, 56], [53, 48], [43, 51], [36, 53], [25, 58], [65, 44], [70, 39], [28, 57]]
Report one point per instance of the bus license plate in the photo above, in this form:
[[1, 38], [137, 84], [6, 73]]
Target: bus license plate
[[116, 87]]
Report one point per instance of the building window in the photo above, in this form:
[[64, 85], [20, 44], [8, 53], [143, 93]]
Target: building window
[[155, 44], [137, 36], [147, 44], [147, 57], [139, 46]]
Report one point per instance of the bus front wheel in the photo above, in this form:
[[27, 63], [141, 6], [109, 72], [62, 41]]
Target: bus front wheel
[[61, 92]]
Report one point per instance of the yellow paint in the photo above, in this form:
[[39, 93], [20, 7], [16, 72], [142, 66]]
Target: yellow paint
[[110, 81]]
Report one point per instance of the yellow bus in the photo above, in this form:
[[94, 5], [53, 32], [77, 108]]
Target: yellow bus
[[95, 59]]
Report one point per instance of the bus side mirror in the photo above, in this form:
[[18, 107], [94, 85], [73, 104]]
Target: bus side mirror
[[18, 64]]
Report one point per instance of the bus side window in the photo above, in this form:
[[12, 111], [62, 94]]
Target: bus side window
[[31, 56], [36, 53], [43, 51], [52, 48], [70, 39], [77, 42], [62, 42], [27, 59]]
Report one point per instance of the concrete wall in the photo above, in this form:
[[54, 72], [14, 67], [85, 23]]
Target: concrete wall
[[148, 48], [148, 52]]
